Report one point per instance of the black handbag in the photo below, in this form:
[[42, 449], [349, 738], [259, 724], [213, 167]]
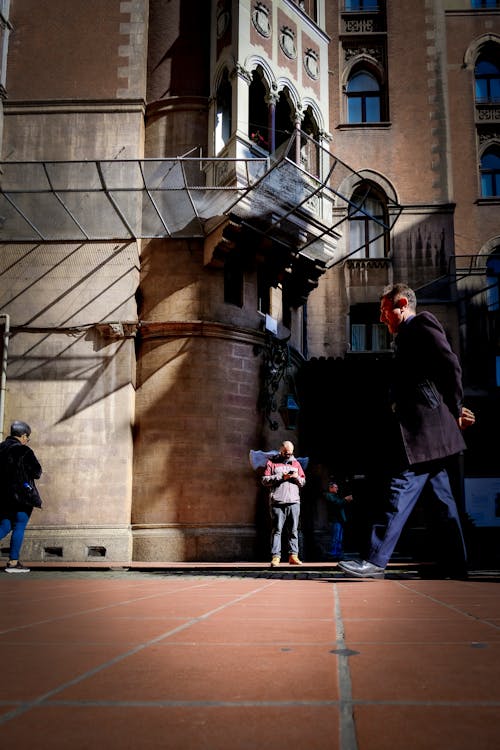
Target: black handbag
[[27, 493]]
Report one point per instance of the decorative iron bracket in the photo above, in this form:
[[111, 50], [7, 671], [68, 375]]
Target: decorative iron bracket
[[274, 367]]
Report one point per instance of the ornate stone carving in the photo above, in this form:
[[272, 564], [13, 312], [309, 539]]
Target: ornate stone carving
[[311, 63], [375, 52], [366, 263], [359, 25], [488, 135], [488, 114], [223, 19], [287, 42], [260, 19], [241, 72]]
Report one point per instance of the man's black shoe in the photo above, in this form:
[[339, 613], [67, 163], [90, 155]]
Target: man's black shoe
[[361, 569]]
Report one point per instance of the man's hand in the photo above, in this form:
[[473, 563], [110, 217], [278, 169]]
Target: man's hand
[[466, 418]]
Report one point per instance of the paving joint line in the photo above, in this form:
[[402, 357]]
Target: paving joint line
[[42, 699]]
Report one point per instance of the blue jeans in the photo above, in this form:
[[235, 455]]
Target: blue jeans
[[405, 490], [279, 515], [15, 521], [336, 539]]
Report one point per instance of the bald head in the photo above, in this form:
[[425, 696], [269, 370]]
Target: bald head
[[286, 449]]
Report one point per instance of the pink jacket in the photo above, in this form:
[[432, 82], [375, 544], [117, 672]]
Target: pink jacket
[[284, 478]]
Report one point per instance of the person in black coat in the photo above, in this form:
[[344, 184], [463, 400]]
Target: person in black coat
[[19, 468], [428, 420]]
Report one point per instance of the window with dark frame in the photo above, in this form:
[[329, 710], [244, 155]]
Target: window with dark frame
[[484, 4], [368, 237], [361, 5], [363, 98], [368, 334], [487, 81], [490, 173]]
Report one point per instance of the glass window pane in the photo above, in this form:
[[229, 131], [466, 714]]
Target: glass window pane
[[354, 109], [362, 82], [490, 160], [379, 337], [492, 297], [372, 109], [357, 239], [358, 337], [361, 4], [376, 248], [484, 67], [481, 89], [486, 185], [495, 89]]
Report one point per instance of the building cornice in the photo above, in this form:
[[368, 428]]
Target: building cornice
[[198, 328], [70, 106]]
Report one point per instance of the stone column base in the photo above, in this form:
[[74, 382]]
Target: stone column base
[[67, 544], [194, 543]]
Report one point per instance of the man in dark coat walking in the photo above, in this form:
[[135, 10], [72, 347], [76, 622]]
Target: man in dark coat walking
[[429, 417]]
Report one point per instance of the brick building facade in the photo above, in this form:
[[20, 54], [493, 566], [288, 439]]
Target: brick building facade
[[200, 202]]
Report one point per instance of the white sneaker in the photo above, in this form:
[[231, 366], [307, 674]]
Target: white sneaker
[[16, 568]]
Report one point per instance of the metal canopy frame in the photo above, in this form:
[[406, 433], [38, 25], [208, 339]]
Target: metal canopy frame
[[99, 200]]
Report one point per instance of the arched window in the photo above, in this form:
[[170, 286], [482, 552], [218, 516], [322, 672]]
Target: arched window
[[258, 112], [223, 115], [367, 223], [283, 119], [309, 148], [490, 172], [363, 98], [487, 77]]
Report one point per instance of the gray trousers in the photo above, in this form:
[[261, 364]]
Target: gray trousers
[[279, 515]]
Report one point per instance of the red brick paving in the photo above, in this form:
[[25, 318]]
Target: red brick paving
[[248, 660]]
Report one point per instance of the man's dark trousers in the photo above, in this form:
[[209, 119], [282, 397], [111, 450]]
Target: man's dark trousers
[[405, 490]]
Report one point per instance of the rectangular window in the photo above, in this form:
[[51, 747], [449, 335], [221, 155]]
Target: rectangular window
[[263, 293], [367, 334], [233, 282]]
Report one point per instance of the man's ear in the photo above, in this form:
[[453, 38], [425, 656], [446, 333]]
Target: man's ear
[[402, 303]]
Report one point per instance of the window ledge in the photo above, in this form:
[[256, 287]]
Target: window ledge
[[385, 353], [493, 201], [358, 125]]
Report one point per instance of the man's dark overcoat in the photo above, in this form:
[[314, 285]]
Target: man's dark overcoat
[[427, 390]]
